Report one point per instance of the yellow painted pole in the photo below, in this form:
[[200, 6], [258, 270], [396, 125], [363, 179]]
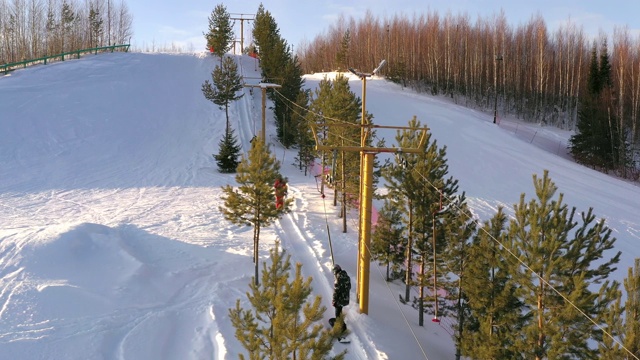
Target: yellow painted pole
[[364, 111], [361, 206], [365, 232]]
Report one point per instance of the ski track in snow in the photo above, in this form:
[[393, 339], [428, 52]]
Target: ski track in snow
[[290, 229], [246, 121], [111, 242], [171, 207]]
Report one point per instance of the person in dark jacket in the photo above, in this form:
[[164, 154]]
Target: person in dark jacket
[[342, 288]]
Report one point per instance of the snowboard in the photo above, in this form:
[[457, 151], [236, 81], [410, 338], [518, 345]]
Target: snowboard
[[342, 340]]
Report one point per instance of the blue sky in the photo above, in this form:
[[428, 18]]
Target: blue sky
[[183, 22]]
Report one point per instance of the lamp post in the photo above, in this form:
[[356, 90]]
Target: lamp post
[[495, 87]]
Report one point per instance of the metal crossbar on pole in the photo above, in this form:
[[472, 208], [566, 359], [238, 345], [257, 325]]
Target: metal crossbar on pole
[[242, 19], [264, 87], [367, 157], [365, 206]]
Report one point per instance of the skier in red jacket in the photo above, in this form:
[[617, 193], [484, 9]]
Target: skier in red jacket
[[281, 191]]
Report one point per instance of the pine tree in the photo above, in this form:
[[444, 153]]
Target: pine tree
[[67, 22], [51, 27], [604, 69], [586, 144], [283, 323], [559, 254], [495, 313], [342, 56], [227, 157], [594, 80], [613, 144], [303, 132], [632, 310], [419, 181], [388, 241], [289, 76], [220, 35], [402, 183], [266, 36], [398, 72], [599, 141], [95, 25], [226, 83], [336, 104], [253, 202], [279, 65], [458, 228], [608, 346]]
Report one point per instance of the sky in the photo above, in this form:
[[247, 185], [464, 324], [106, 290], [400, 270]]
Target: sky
[[183, 23], [112, 245]]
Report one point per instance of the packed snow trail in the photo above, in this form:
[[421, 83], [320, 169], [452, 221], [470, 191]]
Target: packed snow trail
[[290, 229], [111, 242], [93, 184], [246, 115]]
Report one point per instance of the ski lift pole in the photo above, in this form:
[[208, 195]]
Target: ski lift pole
[[435, 279], [364, 262], [364, 238], [264, 87]]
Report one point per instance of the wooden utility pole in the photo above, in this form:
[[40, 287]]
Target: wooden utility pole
[[264, 87], [496, 67], [365, 206], [242, 18]]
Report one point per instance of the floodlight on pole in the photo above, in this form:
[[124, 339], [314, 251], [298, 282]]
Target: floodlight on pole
[[380, 66]]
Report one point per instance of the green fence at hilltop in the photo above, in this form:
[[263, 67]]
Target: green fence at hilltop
[[5, 68]]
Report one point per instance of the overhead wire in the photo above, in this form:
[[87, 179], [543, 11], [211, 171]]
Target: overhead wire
[[310, 123], [356, 225], [450, 323], [396, 302], [526, 266], [413, 290], [424, 353], [322, 175], [311, 111], [327, 221]]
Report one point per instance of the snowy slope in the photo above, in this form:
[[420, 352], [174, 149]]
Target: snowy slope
[[111, 242]]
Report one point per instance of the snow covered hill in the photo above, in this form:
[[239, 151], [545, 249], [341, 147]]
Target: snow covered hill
[[111, 242]]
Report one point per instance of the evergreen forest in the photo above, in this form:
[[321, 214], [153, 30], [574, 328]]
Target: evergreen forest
[[531, 286], [525, 70]]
